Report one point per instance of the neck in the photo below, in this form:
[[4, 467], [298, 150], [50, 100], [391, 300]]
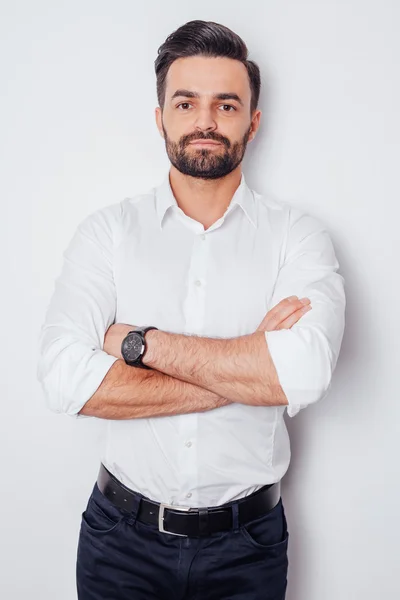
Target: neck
[[204, 200]]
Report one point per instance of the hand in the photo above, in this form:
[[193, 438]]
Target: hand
[[285, 314], [114, 336]]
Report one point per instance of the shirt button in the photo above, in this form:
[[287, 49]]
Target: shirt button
[[203, 236], [189, 495], [198, 283], [188, 444]]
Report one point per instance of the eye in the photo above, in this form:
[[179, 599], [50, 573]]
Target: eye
[[183, 104]]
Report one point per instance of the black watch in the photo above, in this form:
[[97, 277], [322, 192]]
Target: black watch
[[133, 347]]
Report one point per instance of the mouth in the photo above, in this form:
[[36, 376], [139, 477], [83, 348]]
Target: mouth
[[204, 143]]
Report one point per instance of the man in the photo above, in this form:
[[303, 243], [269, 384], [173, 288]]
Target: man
[[190, 318]]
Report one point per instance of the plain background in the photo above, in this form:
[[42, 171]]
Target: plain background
[[78, 133]]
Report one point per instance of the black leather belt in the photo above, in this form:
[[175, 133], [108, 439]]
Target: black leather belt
[[185, 520]]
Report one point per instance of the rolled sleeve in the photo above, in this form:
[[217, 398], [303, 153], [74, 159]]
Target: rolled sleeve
[[72, 363], [305, 355]]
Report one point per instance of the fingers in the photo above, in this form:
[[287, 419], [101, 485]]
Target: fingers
[[293, 318], [282, 311]]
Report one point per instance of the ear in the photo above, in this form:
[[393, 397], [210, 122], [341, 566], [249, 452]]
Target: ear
[[158, 115], [255, 124]]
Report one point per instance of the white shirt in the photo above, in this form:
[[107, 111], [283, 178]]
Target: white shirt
[[143, 261]]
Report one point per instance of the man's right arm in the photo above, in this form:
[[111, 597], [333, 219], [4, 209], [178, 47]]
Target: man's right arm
[[78, 377], [130, 393]]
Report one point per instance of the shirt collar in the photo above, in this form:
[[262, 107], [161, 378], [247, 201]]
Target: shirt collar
[[243, 196]]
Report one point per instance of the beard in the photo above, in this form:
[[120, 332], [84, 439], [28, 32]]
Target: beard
[[204, 163]]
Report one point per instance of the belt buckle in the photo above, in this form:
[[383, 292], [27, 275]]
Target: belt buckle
[[161, 517]]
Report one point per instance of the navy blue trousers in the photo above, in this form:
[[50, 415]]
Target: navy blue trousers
[[121, 558]]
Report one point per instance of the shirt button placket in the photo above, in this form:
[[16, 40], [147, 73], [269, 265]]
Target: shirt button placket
[[194, 311]]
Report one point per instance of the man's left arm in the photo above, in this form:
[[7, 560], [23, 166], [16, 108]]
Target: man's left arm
[[240, 369]]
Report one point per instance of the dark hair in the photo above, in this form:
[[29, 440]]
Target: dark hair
[[204, 38]]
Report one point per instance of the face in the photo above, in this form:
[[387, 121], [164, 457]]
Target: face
[[206, 121]]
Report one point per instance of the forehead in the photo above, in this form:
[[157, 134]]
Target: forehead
[[208, 75]]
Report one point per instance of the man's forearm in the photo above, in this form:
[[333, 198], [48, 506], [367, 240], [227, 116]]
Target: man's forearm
[[131, 393], [240, 368]]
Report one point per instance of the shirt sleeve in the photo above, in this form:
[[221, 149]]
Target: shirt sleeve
[[72, 363], [305, 355]]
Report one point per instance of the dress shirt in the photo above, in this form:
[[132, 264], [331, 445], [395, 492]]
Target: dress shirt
[[143, 261]]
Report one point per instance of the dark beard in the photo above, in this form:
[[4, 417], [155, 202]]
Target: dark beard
[[203, 163]]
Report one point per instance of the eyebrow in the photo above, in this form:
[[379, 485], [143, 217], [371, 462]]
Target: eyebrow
[[221, 96]]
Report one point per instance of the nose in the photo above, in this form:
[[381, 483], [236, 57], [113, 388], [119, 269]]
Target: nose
[[205, 121]]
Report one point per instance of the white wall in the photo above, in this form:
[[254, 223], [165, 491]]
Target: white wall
[[78, 133]]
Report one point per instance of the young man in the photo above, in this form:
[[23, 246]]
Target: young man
[[190, 318]]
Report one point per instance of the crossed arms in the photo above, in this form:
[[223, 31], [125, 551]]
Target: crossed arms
[[191, 374]]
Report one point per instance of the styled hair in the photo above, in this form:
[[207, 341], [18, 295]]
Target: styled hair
[[204, 38]]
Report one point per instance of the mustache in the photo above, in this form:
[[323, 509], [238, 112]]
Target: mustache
[[185, 140]]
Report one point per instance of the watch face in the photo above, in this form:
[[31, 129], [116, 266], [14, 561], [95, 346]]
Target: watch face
[[132, 346]]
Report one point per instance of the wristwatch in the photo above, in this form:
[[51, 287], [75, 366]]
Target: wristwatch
[[133, 347]]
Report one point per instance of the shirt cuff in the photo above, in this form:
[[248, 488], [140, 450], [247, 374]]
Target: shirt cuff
[[100, 364], [299, 371]]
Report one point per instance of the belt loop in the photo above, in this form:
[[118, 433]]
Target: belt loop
[[135, 510], [235, 517], [203, 521]]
